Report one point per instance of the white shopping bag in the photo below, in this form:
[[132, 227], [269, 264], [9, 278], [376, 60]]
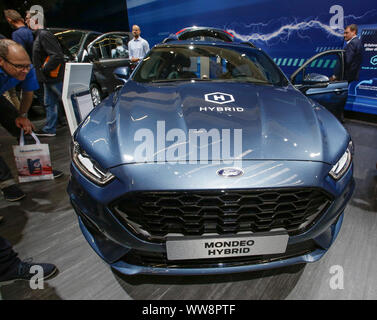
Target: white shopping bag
[[33, 161]]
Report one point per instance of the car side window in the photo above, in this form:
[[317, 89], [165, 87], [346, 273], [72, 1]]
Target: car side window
[[98, 49], [104, 48], [119, 47], [327, 65], [90, 38]]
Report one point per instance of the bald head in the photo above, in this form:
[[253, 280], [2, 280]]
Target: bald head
[[14, 60], [11, 48], [136, 31]]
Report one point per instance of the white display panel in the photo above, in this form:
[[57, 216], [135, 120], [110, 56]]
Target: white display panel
[[76, 84]]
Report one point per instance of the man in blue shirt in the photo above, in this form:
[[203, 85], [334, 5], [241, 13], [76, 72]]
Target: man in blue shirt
[[22, 35], [15, 68]]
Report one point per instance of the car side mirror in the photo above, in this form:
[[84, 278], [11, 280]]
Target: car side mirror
[[121, 73], [315, 79]]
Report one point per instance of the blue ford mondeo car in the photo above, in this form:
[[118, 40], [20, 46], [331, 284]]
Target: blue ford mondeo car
[[209, 160]]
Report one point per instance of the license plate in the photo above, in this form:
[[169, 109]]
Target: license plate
[[188, 248]]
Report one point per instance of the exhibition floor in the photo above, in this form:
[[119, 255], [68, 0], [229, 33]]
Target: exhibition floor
[[44, 226]]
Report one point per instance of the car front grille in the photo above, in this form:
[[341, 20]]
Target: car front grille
[[156, 214]]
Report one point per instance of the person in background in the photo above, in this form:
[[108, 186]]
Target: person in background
[[137, 47], [48, 60], [119, 51], [22, 35], [38, 93], [353, 57], [27, 18]]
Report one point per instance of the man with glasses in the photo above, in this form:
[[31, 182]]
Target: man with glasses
[[15, 69], [22, 35]]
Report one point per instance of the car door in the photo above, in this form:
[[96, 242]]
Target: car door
[[108, 52], [82, 55], [313, 79]]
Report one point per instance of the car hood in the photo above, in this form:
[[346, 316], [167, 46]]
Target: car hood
[[153, 123]]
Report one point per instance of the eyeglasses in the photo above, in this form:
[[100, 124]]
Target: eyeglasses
[[18, 66]]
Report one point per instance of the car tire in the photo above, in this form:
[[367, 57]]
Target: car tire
[[96, 94]]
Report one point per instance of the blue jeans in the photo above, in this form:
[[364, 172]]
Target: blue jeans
[[52, 95]]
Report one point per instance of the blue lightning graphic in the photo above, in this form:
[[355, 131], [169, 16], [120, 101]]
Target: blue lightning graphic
[[284, 32], [353, 17]]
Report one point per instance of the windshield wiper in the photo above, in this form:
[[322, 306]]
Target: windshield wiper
[[172, 80], [242, 80], [165, 80]]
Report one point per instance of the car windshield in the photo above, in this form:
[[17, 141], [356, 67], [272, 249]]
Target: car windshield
[[70, 40], [208, 63]]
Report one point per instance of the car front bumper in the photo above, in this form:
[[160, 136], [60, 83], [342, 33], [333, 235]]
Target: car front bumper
[[113, 242]]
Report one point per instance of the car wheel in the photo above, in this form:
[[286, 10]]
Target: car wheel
[[95, 92]]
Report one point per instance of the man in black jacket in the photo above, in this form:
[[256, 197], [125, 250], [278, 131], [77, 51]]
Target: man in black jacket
[[48, 60], [353, 56]]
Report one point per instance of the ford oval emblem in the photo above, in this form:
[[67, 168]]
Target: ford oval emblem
[[230, 172]]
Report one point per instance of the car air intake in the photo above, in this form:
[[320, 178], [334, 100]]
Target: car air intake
[[153, 215]]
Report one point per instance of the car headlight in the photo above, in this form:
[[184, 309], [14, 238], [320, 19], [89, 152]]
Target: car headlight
[[343, 164], [89, 167]]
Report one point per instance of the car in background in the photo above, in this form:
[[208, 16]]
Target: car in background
[[312, 78], [106, 51], [74, 41], [154, 194]]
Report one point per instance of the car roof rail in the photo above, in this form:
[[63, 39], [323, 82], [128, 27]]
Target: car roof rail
[[250, 44], [169, 39]]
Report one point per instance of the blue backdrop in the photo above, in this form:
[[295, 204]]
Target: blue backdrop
[[289, 31]]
